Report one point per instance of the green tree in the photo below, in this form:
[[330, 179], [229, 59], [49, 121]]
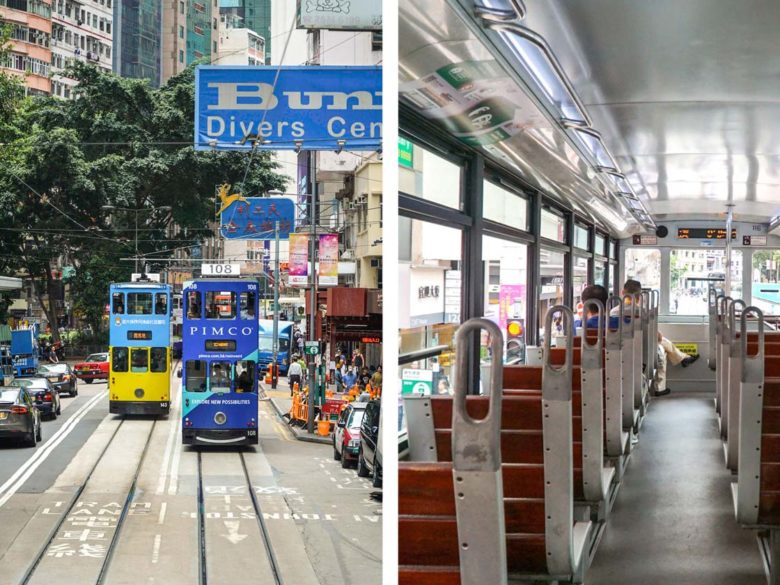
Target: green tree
[[122, 143]]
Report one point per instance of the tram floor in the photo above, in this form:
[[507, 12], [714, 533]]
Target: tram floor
[[673, 521]]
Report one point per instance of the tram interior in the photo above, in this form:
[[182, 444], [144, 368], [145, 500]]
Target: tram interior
[[549, 145]]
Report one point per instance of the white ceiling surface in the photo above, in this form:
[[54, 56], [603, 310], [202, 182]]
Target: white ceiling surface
[[685, 93]]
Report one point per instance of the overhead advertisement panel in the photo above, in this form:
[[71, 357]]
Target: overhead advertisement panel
[[340, 14], [287, 108]]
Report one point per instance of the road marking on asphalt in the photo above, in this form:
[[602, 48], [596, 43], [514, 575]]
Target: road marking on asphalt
[[156, 548], [17, 480], [171, 442], [163, 509], [173, 487]]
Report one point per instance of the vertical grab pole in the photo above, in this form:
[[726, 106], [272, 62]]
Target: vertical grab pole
[[723, 365], [648, 347], [712, 303], [636, 308], [592, 387], [614, 376], [476, 467], [735, 379], [751, 411], [725, 349], [627, 357], [558, 452], [718, 326]]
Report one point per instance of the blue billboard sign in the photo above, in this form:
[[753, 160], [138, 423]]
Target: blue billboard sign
[[254, 218], [308, 108]]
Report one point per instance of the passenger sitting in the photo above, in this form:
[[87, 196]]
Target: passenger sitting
[[666, 349], [598, 292]]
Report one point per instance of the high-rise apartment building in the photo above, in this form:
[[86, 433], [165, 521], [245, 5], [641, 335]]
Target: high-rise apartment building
[[30, 51], [137, 39], [81, 30], [189, 33], [254, 14]]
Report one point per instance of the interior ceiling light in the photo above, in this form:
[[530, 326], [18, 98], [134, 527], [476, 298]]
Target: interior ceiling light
[[500, 10], [542, 69]]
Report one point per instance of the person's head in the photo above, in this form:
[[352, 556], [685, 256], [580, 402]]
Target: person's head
[[632, 287], [594, 291], [444, 386]]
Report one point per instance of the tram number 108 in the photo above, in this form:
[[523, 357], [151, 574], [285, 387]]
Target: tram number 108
[[220, 269]]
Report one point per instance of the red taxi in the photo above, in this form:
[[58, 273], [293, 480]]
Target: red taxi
[[95, 367]]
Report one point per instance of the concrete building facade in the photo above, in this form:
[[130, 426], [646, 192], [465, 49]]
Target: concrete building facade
[[81, 31], [30, 49]]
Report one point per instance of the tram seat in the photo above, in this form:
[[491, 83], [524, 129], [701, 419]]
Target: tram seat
[[756, 492], [538, 535]]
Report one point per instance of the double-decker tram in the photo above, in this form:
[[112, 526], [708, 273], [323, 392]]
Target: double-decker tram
[[613, 163], [219, 354], [139, 347]]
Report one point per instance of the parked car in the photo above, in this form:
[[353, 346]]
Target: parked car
[[95, 367], [369, 457], [45, 397], [61, 377], [346, 437], [19, 417]]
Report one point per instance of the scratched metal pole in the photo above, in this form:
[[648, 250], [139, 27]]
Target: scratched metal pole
[[275, 369], [313, 298]]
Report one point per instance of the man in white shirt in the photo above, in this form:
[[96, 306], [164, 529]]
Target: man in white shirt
[[294, 373]]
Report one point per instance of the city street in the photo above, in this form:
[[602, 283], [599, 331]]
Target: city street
[[107, 500]]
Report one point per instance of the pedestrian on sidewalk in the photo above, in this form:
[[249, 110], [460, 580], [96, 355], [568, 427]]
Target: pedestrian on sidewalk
[[294, 373]]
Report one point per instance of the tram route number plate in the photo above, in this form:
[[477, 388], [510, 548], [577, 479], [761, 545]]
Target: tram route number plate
[[220, 269]]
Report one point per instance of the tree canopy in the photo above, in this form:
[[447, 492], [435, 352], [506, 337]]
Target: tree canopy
[[119, 142]]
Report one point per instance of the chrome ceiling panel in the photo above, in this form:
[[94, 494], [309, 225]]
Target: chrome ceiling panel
[[452, 73], [685, 94]]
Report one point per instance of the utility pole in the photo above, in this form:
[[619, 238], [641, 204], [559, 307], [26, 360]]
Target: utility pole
[[274, 371], [313, 298]]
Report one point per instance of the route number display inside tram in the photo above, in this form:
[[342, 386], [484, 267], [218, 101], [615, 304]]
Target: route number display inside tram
[[704, 234]]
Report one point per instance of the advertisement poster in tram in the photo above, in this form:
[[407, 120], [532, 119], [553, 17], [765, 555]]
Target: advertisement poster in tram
[[329, 260], [298, 271]]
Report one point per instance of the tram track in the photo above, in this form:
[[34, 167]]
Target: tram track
[[263, 531], [30, 576]]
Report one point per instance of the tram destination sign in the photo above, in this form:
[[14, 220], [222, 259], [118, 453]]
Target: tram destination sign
[[288, 108], [704, 234]]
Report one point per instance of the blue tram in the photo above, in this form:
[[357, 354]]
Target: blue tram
[[139, 346], [219, 351]]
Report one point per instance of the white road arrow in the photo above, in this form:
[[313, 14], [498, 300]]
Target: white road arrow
[[233, 535]]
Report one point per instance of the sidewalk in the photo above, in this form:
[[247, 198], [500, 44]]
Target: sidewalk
[[281, 400]]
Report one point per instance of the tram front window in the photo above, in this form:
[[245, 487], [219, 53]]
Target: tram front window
[[220, 305], [193, 305], [118, 303], [245, 375], [139, 360], [195, 376], [219, 380], [119, 359], [161, 304], [248, 306], [139, 303], [693, 273], [159, 359]]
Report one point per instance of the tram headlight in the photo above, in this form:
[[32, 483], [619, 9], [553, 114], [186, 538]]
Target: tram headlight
[[220, 418], [139, 392]]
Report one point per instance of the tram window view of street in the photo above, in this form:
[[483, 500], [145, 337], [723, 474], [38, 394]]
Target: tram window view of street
[[191, 293]]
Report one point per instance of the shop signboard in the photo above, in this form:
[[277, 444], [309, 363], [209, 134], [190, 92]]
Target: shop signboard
[[288, 108], [418, 382], [340, 14]]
